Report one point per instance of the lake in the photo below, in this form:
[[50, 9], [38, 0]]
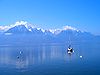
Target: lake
[[50, 59]]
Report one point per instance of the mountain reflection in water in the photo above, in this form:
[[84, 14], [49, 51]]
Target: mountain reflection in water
[[49, 59]]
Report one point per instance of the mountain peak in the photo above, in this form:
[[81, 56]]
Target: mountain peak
[[25, 23], [18, 23], [21, 23], [30, 27], [57, 31], [70, 28]]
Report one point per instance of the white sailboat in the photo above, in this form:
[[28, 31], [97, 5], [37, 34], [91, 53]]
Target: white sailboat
[[70, 49]]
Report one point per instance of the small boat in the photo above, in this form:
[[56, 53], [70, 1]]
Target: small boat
[[70, 50]]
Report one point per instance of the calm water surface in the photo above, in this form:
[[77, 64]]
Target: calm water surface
[[50, 59]]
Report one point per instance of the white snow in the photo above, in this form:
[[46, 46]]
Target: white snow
[[21, 23], [4, 28], [29, 29], [69, 28], [43, 30], [57, 31], [30, 26]]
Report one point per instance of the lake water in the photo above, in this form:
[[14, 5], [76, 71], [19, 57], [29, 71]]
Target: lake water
[[50, 59]]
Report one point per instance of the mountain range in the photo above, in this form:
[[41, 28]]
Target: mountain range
[[25, 33]]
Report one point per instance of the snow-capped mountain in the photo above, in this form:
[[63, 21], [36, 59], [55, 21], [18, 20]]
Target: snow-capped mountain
[[25, 27], [27, 32], [18, 29]]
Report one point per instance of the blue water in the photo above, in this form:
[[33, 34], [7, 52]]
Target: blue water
[[50, 59]]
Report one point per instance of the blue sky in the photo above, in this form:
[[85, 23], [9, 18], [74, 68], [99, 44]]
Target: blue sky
[[82, 14]]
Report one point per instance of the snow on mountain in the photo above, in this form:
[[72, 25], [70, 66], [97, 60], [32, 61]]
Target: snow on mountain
[[24, 23], [4, 28], [23, 26], [69, 28], [18, 23], [65, 28], [18, 29], [42, 35]]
